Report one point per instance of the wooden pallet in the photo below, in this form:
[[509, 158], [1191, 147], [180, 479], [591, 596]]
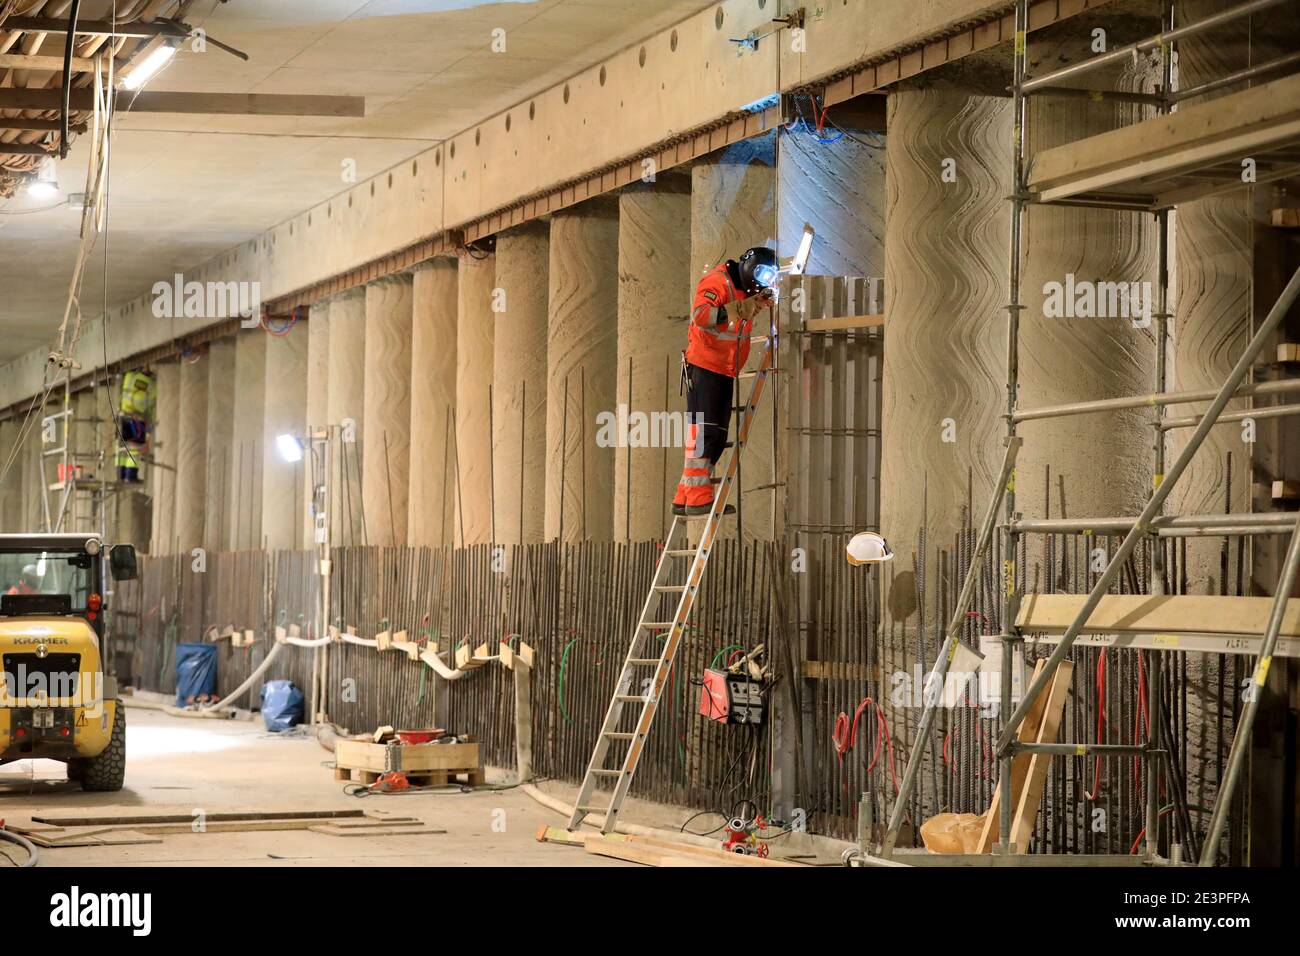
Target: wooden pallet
[[425, 765]]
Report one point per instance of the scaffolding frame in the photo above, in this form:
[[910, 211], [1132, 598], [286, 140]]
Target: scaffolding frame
[[1151, 523]]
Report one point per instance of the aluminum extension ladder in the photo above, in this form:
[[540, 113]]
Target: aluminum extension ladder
[[634, 686]]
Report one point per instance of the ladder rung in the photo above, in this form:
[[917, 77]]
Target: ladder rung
[[661, 625], [628, 698], [670, 588], [643, 661], [680, 552], [602, 772], [591, 806], [619, 735], [755, 371]]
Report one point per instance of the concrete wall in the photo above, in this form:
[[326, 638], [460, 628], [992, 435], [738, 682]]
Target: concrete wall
[[582, 350], [654, 301], [945, 275], [386, 454], [433, 400], [519, 349]]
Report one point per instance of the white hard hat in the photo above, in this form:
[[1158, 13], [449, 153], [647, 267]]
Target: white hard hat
[[867, 547]]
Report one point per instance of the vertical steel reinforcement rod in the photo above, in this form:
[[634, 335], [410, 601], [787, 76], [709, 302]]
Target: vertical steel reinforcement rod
[[1242, 734], [932, 693]]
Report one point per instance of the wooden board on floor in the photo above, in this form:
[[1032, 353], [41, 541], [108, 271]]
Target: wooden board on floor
[[717, 855], [331, 829], [109, 836], [109, 817], [1031, 794], [645, 855]]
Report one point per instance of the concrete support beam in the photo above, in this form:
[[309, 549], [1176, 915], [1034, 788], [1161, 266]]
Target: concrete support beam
[[386, 452], [472, 448], [191, 453], [345, 408], [433, 397], [945, 356], [519, 384], [654, 302], [286, 414], [220, 443], [1068, 357], [248, 449], [733, 207], [318, 369], [1214, 276], [582, 355], [164, 445]]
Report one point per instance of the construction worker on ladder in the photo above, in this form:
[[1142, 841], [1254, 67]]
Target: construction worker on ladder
[[138, 396], [717, 349]]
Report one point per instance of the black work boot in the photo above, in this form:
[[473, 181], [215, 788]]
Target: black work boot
[[699, 511]]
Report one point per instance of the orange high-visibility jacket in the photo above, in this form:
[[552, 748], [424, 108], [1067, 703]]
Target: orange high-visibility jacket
[[713, 342]]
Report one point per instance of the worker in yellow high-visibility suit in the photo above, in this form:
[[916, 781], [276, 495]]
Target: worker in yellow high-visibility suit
[[138, 396]]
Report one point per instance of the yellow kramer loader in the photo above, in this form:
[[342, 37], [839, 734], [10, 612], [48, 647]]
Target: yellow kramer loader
[[55, 700]]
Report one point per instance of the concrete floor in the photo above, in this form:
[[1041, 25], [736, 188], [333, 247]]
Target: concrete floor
[[181, 764]]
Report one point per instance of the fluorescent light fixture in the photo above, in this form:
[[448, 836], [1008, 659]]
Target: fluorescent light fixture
[[289, 447], [144, 71], [800, 261]]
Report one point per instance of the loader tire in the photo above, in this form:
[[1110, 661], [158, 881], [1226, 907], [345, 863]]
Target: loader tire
[[107, 772]]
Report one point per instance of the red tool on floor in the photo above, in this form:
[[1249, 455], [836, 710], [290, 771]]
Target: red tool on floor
[[390, 782]]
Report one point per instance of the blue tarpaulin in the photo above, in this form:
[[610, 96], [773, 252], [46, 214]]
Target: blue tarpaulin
[[196, 671], [282, 705]]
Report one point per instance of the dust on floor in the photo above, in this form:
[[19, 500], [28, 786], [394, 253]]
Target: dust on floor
[[182, 765]]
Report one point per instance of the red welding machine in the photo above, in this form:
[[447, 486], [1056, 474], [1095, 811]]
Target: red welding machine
[[731, 698]]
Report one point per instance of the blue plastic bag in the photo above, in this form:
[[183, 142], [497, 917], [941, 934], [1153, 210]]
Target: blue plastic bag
[[282, 705], [196, 671]]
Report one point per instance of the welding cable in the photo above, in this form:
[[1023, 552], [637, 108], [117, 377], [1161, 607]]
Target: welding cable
[[32, 854], [845, 737], [564, 667], [979, 736], [1143, 832], [283, 330], [1101, 719]]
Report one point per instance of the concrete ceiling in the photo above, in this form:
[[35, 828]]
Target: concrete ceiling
[[184, 188]]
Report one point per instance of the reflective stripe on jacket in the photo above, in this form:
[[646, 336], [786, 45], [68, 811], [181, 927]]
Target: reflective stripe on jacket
[[713, 342]]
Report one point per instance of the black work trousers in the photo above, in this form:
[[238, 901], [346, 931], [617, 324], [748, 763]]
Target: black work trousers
[[708, 403]]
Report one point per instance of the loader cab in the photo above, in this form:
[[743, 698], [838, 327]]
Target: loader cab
[[59, 575]]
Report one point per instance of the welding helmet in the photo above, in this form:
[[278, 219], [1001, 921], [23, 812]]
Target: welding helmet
[[757, 270], [867, 547]]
